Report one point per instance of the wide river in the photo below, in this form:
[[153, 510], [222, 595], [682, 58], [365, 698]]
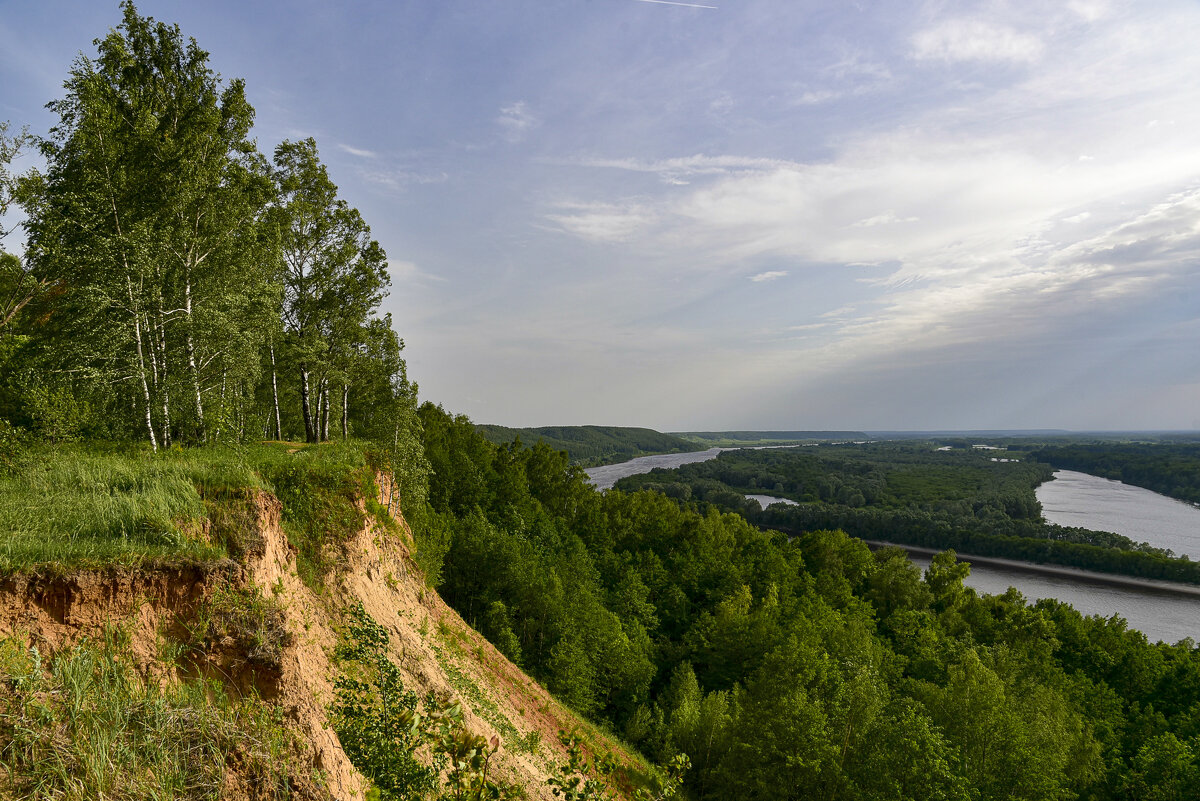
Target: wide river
[[1072, 499]]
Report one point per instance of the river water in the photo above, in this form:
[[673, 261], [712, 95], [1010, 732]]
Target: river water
[[1072, 499], [1079, 499], [606, 475]]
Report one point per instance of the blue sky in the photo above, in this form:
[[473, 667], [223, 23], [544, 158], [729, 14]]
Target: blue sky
[[767, 214]]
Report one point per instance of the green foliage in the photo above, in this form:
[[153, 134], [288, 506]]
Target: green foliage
[[376, 719], [84, 724], [808, 666], [178, 287], [12, 446], [58, 416], [381, 725], [581, 778]]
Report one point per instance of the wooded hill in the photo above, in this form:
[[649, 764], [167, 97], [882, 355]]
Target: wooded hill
[[592, 445]]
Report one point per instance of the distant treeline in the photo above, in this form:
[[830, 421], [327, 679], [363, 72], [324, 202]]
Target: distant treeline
[[1170, 469], [735, 438], [591, 445]]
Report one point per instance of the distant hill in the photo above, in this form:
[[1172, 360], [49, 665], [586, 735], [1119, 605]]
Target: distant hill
[[733, 439], [592, 445]]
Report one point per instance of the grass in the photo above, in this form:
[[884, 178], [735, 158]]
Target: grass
[[86, 725], [73, 506]]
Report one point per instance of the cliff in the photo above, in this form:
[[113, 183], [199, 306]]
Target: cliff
[[248, 628]]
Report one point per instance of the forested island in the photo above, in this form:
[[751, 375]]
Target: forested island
[[976, 501], [204, 412]]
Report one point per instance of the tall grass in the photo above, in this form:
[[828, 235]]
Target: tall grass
[[84, 505], [72, 506], [79, 506], [87, 726]]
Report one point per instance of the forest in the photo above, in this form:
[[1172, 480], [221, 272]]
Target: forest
[[803, 666], [592, 445], [181, 292], [910, 493]]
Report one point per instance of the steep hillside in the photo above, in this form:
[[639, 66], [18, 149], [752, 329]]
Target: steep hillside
[[251, 630]]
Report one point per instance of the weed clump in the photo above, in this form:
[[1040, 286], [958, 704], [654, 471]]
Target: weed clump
[[246, 621]]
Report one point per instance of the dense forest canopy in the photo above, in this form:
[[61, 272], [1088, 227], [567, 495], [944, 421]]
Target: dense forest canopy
[[592, 445], [805, 666]]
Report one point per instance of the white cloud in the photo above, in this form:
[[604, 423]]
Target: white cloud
[[887, 218], [976, 40], [516, 121], [407, 271], [398, 179], [601, 222], [769, 275], [357, 151], [816, 97], [677, 171], [1089, 10]]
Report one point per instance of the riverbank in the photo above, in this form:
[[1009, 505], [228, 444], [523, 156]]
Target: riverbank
[[1070, 573]]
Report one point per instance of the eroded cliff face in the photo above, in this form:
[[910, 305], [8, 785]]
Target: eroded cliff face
[[434, 648]]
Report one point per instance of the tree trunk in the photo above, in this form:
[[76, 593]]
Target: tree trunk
[[191, 353], [137, 335], [310, 430], [221, 419], [161, 343], [275, 396], [345, 411], [324, 410], [320, 407]]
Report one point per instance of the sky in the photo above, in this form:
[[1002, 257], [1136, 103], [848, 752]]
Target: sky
[[741, 214]]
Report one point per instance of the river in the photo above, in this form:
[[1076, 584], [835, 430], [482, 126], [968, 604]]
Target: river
[[1072, 499], [605, 476]]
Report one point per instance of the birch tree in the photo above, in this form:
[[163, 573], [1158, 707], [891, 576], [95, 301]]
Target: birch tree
[[147, 221], [333, 276]]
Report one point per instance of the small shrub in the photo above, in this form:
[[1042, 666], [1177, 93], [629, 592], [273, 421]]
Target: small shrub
[[381, 725]]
